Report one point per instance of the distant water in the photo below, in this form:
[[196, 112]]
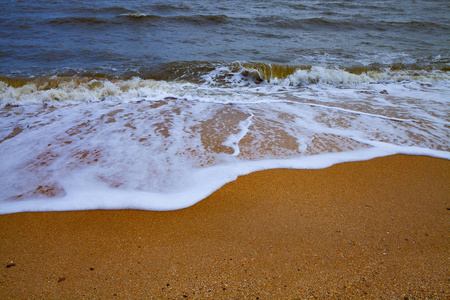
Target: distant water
[[125, 38], [156, 104]]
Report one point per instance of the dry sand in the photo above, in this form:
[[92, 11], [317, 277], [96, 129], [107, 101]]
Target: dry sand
[[370, 229]]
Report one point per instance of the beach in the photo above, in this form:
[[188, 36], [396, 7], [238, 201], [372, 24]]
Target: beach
[[370, 229], [227, 150]]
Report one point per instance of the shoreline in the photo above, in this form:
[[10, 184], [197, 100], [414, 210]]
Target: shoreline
[[367, 229]]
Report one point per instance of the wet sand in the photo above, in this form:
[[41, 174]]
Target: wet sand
[[379, 228]]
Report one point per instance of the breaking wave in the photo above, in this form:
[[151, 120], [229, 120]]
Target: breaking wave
[[82, 89], [289, 75], [198, 80]]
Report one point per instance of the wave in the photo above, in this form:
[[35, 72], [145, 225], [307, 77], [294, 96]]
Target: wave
[[115, 9], [79, 20], [196, 19], [124, 10], [107, 9], [290, 23], [57, 89], [171, 7], [417, 25], [353, 24], [291, 75], [202, 19], [319, 23], [139, 15], [194, 80], [130, 17]]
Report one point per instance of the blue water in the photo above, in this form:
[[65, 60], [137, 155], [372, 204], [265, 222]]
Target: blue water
[[44, 37]]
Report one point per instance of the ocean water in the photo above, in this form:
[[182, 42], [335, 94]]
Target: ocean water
[[157, 104]]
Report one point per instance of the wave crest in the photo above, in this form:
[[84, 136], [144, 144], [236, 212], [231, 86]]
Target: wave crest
[[81, 89], [291, 75], [196, 80]]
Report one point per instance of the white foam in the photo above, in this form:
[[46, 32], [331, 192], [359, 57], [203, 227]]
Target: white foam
[[233, 139], [249, 75], [76, 90], [101, 147], [325, 75], [87, 195]]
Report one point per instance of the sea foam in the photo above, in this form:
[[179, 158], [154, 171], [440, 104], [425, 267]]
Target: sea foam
[[89, 143], [85, 195]]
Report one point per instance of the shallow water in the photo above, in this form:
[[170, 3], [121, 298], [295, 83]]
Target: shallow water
[[155, 106]]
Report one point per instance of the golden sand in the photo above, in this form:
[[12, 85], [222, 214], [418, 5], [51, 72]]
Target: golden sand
[[378, 228]]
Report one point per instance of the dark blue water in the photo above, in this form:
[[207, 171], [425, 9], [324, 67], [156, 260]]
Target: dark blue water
[[148, 37]]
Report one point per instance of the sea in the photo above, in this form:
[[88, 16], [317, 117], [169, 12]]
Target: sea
[[154, 105]]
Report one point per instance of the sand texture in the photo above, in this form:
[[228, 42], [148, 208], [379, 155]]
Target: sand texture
[[372, 229]]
